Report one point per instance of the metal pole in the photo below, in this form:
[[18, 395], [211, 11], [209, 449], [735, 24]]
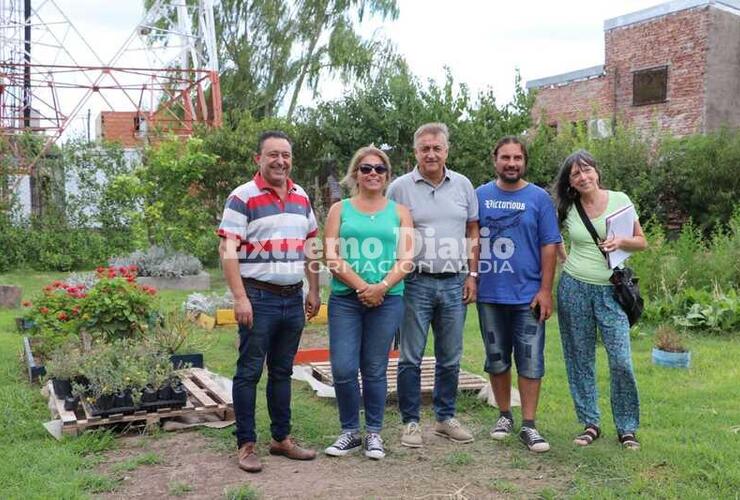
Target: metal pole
[[27, 65]]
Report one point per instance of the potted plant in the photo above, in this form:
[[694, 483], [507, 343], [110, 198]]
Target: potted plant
[[62, 368], [669, 349], [182, 340]]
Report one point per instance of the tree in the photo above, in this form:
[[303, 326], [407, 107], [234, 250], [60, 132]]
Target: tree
[[271, 50]]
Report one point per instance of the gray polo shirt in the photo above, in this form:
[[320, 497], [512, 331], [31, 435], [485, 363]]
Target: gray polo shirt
[[440, 216]]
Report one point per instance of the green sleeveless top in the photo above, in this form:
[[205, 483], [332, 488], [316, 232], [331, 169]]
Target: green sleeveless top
[[368, 243]]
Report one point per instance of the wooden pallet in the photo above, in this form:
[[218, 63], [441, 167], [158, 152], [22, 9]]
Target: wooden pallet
[[204, 397], [466, 381]]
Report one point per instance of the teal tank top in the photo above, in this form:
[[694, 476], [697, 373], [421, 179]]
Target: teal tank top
[[368, 243]]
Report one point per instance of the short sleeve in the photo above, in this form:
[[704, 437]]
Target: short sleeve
[[472, 199], [549, 233], [234, 220]]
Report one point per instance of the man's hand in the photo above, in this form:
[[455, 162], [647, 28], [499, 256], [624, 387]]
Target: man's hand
[[372, 295], [470, 290], [243, 312], [544, 300], [313, 304]]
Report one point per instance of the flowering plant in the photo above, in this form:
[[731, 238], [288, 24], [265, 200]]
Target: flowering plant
[[116, 307], [55, 315], [110, 305]]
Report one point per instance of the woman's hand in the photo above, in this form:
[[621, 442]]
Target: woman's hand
[[372, 295], [614, 243]]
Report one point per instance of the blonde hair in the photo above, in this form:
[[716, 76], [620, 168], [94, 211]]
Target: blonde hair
[[350, 179]]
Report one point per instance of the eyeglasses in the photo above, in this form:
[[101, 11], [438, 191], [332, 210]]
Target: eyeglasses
[[379, 169]]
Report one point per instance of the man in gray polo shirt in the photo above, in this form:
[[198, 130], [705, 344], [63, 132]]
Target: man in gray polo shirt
[[444, 207]]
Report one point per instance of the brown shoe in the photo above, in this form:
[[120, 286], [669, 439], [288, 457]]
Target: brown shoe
[[248, 459], [289, 448]]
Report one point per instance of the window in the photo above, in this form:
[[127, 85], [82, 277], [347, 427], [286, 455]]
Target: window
[[650, 86]]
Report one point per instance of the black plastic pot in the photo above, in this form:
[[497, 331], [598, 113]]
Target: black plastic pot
[[71, 402], [179, 394], [62, 388], [149, 395], [165, 392], [23, 324], [123, 400], [194, 360], [104, 402]]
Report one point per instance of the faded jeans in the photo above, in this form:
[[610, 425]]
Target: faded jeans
[[437, 302]]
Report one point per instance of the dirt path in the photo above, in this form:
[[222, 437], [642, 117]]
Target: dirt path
[[439, 470]]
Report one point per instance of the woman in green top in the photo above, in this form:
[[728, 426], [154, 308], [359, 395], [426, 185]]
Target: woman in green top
[[586, 300], [369, 246]]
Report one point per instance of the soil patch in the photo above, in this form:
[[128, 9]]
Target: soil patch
[[314, 337], [191, 467]]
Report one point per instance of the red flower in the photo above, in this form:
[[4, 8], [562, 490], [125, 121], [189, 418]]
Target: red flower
[[48, 288], [44, 310], [99, 269], [151, 291], [75, 311], [130, 279], [62, 316], [133, 268], [57, 284], [26, 303]]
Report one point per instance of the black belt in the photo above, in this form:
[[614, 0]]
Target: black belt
[[282, 290], [437, 276]]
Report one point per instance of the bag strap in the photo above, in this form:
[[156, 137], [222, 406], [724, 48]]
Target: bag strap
[[589, 226]]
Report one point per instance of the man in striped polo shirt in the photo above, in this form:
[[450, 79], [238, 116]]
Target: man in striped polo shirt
[[266, 224]]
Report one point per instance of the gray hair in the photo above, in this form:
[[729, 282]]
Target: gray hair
[[434, 128]]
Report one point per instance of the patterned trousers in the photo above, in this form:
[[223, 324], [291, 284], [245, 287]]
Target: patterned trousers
[[582, 308]]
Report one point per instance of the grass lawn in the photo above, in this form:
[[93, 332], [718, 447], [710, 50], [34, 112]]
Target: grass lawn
[[690, 429]]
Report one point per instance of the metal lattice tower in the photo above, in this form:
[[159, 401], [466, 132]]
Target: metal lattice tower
[[165, 73]]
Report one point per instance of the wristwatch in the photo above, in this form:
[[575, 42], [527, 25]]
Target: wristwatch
[[473, 274]]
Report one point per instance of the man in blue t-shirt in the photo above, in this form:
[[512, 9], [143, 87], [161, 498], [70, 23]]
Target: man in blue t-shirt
[[519, 237]]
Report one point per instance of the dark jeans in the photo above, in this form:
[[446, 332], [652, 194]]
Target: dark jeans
[[359, 339], [512, 327], [275, 334], [437, 302]]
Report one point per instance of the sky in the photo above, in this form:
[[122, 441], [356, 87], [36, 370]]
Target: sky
[[483, 42]]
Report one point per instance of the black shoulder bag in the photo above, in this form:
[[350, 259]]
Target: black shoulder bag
[[626, 287]]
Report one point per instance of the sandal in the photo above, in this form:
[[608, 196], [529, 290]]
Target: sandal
[[590, 434], [629, 441]]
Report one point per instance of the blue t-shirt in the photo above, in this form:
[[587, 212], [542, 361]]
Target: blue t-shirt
[[514, 226]]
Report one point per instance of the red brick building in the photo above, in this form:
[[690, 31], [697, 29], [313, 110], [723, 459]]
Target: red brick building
[[673, 68]]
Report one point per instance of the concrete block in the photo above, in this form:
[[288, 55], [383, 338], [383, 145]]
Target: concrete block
[[200, 281], [10, 297]]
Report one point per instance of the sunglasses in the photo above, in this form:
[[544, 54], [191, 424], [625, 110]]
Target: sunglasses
[[379, 169]]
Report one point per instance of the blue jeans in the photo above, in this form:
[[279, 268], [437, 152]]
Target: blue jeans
[[275, 334], [582, 308], [360, 338], [512, 327], [439, 302]]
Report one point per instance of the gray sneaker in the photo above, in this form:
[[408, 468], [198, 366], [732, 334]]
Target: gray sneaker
[[534, 440], [374, 446], [411, 436], [503, 428], [453, 430]]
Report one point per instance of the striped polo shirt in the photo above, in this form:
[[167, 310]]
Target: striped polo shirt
[[271, 233]]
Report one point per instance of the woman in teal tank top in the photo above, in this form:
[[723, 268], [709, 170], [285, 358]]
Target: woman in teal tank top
[[586, 301], [369, 246]]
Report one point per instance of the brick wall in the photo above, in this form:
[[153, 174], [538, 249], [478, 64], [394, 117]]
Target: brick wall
[[678, 41], [573, 102], [118, 126]]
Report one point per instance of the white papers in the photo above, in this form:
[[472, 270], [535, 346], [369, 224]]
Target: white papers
[[620, 223]]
